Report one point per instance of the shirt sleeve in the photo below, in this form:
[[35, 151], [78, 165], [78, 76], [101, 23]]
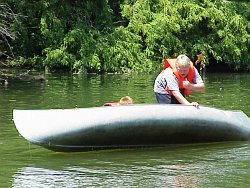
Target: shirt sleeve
[[197, 78], [172, 81]]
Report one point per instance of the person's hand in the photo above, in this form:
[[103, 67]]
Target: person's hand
[[187, 84], [195, 104]]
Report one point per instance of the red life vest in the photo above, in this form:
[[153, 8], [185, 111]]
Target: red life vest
[[190, 76], [112, 104]]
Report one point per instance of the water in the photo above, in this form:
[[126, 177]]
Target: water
[[198, 165]]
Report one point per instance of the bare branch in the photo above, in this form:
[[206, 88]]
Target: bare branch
[[7, 16]]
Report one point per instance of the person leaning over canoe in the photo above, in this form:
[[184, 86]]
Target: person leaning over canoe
[[123, 101], [175, 82]]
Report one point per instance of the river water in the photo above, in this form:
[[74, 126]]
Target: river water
[[22, 164]]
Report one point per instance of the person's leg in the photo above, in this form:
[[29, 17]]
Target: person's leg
[[174, 100], [163, 98]]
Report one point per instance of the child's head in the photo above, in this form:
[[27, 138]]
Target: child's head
[[126, 100], [183, 61], [183, 64]]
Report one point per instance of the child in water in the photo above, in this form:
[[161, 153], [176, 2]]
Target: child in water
[[123, 101], [126, 100]]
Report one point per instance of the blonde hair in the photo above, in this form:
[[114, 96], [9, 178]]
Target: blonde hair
[[126, 100], [183, 61]]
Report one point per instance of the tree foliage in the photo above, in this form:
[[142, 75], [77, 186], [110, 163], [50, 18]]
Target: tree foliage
[[128, 35]]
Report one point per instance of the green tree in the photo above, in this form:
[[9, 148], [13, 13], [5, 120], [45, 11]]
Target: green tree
[[129, 35]]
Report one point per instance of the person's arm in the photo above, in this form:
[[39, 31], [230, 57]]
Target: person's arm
[[193, 87], [197, 83], [179, 97]]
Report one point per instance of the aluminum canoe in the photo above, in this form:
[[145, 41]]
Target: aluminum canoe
[[146, 125]]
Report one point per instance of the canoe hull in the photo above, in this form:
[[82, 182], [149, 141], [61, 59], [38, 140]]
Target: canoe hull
[[95, 128]]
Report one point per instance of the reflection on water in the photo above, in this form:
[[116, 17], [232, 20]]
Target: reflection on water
[[171, 176], [222, 165], [206, 165]]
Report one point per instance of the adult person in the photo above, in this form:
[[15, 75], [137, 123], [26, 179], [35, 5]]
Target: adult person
[[175, 82], [200, 64], [123, 101]]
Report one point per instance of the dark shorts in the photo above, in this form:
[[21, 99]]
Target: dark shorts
[[166, 99]]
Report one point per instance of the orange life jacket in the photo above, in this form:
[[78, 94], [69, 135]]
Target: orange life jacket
[[112, 104], [171, 63]]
